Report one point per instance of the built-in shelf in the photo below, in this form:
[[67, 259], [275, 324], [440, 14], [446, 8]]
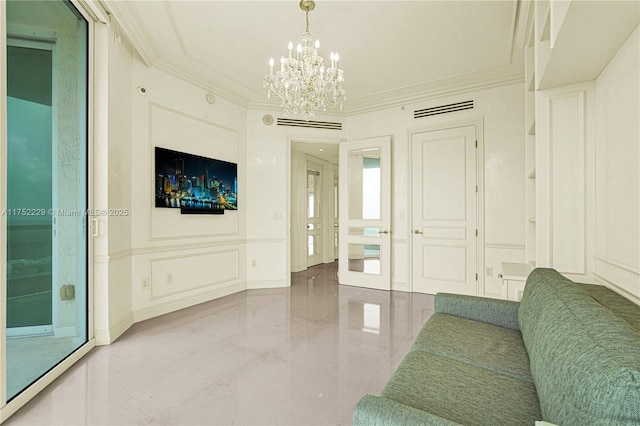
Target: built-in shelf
[[532, 174], [532, 220], [596, 27]]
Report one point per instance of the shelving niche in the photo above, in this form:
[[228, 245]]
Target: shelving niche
[[566, 45]]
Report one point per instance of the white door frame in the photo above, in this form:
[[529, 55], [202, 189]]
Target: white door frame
[[318, 256], [479, 124]]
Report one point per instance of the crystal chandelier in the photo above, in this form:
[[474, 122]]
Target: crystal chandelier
[[303, 84]]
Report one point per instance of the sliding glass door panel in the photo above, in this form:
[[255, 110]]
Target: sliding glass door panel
[[46, 262]]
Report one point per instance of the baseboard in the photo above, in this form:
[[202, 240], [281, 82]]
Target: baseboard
[[167, 307], [107, 337], [254, 285], [400, 286]]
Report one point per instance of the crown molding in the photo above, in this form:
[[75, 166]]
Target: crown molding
[[189, 77], [428, 90], [128, 19], [125, 13], [409, 95]]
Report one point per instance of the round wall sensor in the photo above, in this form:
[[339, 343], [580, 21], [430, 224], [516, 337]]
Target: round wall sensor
[[267, 119], [211, 98], [141, 90]]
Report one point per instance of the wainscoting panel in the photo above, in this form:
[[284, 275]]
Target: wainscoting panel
[[267, 264], [624, 279], [178, 274]]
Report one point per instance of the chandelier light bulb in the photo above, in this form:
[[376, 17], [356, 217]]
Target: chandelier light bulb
[[271, 66], [303, 84]]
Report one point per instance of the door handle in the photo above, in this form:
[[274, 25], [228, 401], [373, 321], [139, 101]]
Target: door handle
[[385, 232], [417, 232]]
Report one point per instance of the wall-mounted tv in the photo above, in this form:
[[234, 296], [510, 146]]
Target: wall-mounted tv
[[195, 184]]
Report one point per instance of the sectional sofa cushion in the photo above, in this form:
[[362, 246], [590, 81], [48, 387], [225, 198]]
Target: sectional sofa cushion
[[475, 343], [462, 393], [585, 360], [503, 313], [621, 307], [377, 411]]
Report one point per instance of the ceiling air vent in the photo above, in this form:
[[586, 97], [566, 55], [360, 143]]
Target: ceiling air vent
[[310, 124], [443, 109]]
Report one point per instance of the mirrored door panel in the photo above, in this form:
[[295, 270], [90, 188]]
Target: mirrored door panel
[[365, 213]]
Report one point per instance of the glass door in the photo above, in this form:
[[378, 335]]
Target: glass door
[[29, 193], [314, 214], [46, 262], [365, 213]]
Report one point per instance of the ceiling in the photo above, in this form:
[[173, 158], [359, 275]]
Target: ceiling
[[324, 151], [391, 51]]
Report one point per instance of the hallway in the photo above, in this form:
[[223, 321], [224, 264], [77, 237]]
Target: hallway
[[301, 355]]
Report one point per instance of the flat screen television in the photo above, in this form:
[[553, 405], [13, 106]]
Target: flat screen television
[[195, 184]]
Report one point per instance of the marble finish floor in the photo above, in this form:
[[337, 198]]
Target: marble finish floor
[[303, 355]]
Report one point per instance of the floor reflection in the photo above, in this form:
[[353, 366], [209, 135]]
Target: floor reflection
[[300, 355]]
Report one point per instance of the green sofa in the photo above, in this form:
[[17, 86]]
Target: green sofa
[[568, 354]]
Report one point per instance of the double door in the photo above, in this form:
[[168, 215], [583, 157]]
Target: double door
[[444, 212]]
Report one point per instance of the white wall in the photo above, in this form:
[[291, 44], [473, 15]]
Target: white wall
[[119, 185], [617, 216], [204, 254], [111, 179], [268, 194], [502, 112]]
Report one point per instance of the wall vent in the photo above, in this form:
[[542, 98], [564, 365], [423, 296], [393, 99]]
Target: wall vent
[[443, 109], [310, 124]]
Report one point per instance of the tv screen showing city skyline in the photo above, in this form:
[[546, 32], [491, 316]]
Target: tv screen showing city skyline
[[194, 182]]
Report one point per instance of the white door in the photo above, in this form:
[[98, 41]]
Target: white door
[[445, 211], [365, 213], [314, 214]]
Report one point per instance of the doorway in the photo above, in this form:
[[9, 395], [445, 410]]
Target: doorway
[[445, 210], [314, 228]]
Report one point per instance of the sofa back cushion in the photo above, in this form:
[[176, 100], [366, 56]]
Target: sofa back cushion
[[585, 360]]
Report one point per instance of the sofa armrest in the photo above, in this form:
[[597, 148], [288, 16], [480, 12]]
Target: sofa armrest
[[379, 411], [503, 313]]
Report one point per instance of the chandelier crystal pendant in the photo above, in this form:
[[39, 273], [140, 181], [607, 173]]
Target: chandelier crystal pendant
[[303, 84]]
